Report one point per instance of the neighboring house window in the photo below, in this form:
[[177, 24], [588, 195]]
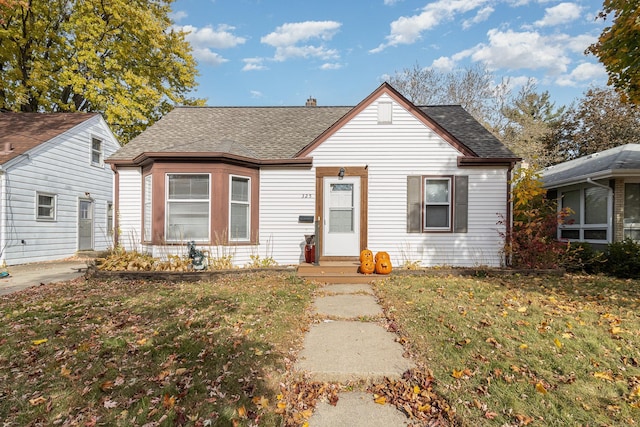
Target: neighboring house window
[[632, 211], [110, 218], [588, 220], [96, 152], [147, 208], [45, 207], [437, 204], [385, 113], [187, 213], [240, 209]]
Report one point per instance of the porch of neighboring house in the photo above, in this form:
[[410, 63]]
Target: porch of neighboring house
[[331, 271]]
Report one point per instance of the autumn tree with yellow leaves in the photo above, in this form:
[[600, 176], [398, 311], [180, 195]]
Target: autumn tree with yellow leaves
[[121, 58]]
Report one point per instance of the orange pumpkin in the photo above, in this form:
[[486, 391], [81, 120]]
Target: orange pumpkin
[[366, 254], [367, 266], [383, 266], [381, 255]]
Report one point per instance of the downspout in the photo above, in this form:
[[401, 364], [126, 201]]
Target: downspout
[[3, 216], [509, 222], [609, 207]]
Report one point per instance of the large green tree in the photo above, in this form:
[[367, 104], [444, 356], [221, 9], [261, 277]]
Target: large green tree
[[618, 47], [117, 57]]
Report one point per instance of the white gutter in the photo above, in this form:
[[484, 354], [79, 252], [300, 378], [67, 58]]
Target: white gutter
[[609, 207]]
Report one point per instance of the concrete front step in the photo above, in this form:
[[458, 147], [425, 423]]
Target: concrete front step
[[336, 272]]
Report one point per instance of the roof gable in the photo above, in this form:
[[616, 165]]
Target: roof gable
[[21, 132], [278, 134]]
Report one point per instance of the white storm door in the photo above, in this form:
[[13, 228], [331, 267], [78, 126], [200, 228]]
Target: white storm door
[[341, 226]]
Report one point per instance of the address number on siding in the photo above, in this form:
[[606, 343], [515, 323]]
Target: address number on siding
[[307, 195]]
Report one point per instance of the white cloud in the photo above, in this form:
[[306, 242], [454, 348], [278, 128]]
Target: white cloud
[[203, 40], [254, 64], [211, 37], [409, 29], [286, 38], [560, 14], [292, 33], [443, 64], [523, 50], [256, 94], [391, 2], [178, 15], [585, 72], [482, 15], [208, 56], [331, 66]]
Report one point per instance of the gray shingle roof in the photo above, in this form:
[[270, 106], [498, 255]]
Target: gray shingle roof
[[267, 133], [459, 123], [617, 160], [255, 132]]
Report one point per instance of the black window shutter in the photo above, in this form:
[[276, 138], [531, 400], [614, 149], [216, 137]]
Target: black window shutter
[[414, 204], [461, 207]]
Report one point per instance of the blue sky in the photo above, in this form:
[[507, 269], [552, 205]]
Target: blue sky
[[280, 52]]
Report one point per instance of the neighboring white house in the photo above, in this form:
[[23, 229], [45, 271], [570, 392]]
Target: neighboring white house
[[603, 192], [56, 191], [426, 184]]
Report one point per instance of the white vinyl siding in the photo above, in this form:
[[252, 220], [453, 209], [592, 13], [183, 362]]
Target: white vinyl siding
[[59, 167], [408, 147], [129, 214]]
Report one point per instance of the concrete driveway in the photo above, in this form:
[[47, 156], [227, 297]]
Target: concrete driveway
[[26, 275]]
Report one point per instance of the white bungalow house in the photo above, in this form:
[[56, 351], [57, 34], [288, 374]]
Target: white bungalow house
[[603, 192], [56, 191], [425, 184]]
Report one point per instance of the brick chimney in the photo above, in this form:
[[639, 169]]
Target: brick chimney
[[311, 102]]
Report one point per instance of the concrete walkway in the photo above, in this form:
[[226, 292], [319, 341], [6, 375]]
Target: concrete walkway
[[26, 275], [349, 345]]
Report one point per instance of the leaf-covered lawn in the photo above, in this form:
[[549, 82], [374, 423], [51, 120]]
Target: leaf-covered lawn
[[150, 353], [525, 350]]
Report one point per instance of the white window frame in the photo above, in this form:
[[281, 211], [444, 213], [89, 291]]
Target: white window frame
[[448, 203], [99, 152], [148, 207], [53, 207], [580, 220], [207, 201], [109, 219], [246, 203]]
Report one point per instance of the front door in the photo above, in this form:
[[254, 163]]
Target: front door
[[85, 225], [341, 226]]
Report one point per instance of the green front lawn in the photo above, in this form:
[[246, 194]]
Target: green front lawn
[[551, 351], [131, 353]]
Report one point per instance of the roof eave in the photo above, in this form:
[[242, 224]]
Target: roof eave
[[487, 161], [603, 174], [150, 157]]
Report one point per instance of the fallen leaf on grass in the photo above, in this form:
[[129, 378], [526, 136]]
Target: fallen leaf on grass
[[540, 388], [37, 401], [557, 342], [38, 342], [523, 420], [490, 415], [261, 402], [169, 401], [380, 400], [603, 376]]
